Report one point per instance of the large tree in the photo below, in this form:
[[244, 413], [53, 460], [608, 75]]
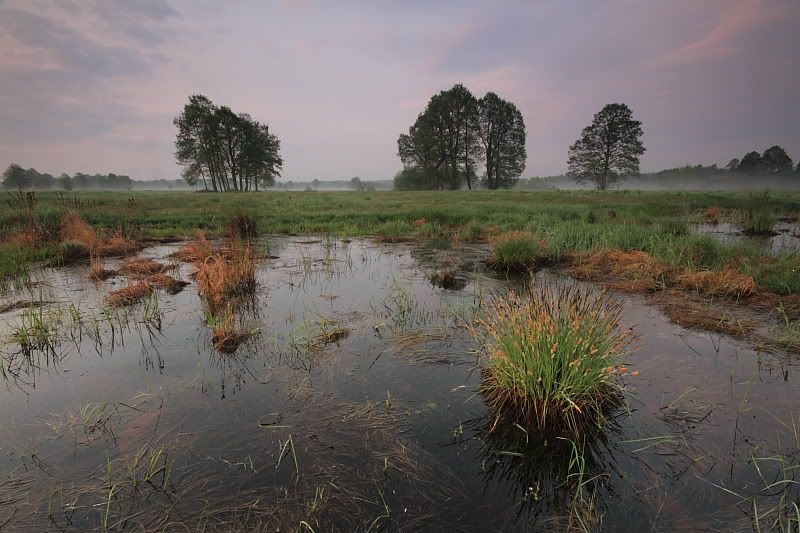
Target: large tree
[[227, 151], [501, 129], [751, 163], [609, 148], [16, 177], [444, 143], [776, 161]]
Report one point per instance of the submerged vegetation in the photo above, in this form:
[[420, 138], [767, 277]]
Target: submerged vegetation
[[553, 358]]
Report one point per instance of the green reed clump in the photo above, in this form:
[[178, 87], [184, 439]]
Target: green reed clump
[[759, 221], [553, 357], [515, 251]]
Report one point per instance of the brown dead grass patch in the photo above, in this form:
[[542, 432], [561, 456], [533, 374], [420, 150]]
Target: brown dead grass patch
[[691, 312], [196, 250], [226, 274], [632, 271], [167, 283], [727, 282], [142, 267], [117, 244], [75, 228], [132, 294]]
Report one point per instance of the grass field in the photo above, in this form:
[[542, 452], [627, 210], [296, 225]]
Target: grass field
[[565, 221]]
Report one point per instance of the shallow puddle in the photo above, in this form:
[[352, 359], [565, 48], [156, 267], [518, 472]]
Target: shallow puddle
[[130, 421], [786, 239]]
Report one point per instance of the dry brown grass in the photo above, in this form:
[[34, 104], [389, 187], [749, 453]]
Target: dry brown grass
[[132, 294], [142, 267], [727, 282], [98, 272], [631, 271], [195, 251], [226, 274], [117, 244], [75, 228], [712, 215], [690, 312], [167, 283]]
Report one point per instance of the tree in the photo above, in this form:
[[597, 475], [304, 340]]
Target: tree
[[733, 165], [797, 170], [776, 161], [444, 141], [231, 152], [501, 130], [16, 177], [609, 148], [751, 163], [64, 182]]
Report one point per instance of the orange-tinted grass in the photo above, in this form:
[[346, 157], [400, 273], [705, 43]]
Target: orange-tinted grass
[[632, 270], [167, 283], [226, 275], [75, 228], [132, 294], [727, 282], [142, 267]]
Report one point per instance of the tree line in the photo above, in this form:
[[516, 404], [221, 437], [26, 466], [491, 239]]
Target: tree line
[[224, 150], [774, 162], [462, 140], [16, 177]]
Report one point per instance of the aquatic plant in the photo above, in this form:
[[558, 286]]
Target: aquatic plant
[[514, 251], [552, 357]]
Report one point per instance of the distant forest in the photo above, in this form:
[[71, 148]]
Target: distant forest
[[16, 177]]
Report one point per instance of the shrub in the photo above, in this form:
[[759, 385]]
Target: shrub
[[553, 357], [514, 251]]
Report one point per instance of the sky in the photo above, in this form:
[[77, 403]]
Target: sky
[[93, 85]]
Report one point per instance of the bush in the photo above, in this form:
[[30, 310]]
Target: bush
[[553, 358]]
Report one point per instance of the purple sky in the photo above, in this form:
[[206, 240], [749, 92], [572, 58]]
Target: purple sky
[[93, 85]]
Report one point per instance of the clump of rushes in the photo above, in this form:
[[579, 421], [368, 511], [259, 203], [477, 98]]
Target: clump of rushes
[[242, 226], [98, 271], [553, 358], [515, 251]]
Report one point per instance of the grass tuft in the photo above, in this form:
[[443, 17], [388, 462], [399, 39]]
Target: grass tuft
[[553, 357], [515, 251]]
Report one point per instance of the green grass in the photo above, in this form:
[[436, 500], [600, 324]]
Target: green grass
[[567, 220], [514, 251], [553, 358]]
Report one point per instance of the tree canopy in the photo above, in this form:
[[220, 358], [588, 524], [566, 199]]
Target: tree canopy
[[16, 177], [227, 151], [454, 135], [609, 148]]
